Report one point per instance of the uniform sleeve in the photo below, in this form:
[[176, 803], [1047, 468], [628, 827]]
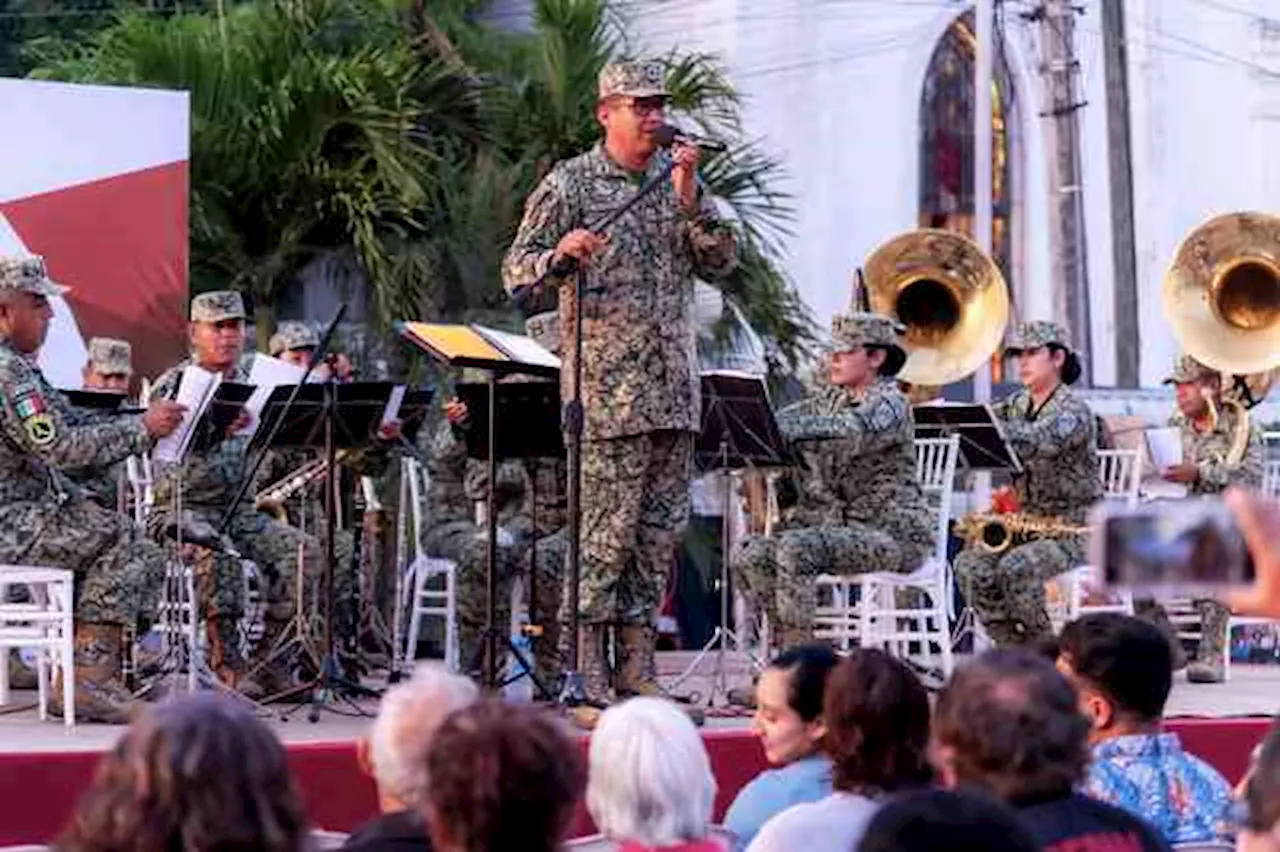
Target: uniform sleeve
[[36, 424], [1216, 474], [549, 214], [371, 460], [711, 243], [1066, 428], [867, 428]]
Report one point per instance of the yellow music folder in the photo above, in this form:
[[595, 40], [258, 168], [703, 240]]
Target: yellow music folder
[[481, 347]]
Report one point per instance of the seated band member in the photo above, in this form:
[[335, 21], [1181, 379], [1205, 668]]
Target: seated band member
[[47, 520], [206, 482], [1220, 449], [859, 507], [1054, 434], [108, 370]]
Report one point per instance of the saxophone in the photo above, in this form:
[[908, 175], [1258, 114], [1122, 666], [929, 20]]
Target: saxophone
[[996, 533], [272, 499]]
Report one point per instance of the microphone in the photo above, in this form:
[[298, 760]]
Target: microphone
[[667, 135]]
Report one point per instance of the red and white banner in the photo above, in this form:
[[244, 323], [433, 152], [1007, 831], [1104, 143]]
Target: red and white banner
[[94, 178]]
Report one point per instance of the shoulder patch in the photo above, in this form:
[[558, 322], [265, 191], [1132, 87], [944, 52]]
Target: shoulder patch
[[28, 401], [40, 429]]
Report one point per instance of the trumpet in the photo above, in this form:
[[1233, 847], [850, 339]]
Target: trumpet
[[273, 498], [996, 533]]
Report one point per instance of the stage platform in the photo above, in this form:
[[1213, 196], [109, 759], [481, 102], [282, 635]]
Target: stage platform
[[43, 767]]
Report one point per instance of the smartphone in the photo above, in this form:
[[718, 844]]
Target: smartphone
[[1170, 547]]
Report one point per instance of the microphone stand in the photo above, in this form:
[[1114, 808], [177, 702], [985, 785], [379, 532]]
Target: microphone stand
[[573, 416]]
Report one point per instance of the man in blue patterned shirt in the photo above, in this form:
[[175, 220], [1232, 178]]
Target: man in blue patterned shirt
[[1122, 669]]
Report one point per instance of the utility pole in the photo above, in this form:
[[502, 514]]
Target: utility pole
[[1120, 154], [1060, 69]]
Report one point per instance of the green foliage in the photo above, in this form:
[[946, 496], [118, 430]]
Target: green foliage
[[402, 136]]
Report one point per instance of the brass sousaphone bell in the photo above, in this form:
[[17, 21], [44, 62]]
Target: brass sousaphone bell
[[1222, 297], [948, 293]]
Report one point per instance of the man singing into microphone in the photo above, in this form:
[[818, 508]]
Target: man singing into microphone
[[640, 384]]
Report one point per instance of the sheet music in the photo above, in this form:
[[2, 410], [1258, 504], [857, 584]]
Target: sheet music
[[195, 390], [392, 411], [266, 375], [521, 349], [1164, 445]]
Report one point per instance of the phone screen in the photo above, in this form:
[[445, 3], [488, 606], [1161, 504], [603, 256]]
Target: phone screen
[[1177, 546]]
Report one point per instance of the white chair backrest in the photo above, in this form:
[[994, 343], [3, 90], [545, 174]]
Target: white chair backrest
[[1271, 478], [415, 475], [936, 460], [1120, 472]]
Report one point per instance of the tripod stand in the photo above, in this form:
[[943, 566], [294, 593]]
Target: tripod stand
[[738, 432]]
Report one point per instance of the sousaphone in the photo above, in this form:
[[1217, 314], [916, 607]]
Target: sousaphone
[[948, 293], [1222, 297]]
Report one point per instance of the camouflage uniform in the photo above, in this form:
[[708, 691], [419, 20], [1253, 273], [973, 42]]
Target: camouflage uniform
[[107, 357], [206, 482], [640, 380], [858, 506], [47, 520], [1057, 445], [1208, 452]]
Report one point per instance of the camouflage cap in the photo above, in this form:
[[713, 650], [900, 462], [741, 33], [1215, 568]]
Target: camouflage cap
[[854, 330], [217, 306], [1035, 334], [1040, 333], [1187, 369], [28, 275], [111, 357], [633, 80], [544, 328], [293, 335]]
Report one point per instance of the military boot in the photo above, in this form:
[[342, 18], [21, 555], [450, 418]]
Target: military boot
[[1149, 610], [21, 676], [593, 667], [637, 673], [1210, 662], [100, 694], [225, 659]]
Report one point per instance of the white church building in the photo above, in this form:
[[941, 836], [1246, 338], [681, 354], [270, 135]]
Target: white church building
[[869, 104]]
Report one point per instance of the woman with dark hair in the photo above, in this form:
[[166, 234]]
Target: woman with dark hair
[[503, 776], [876, 715], [788, 720], [199, 774]]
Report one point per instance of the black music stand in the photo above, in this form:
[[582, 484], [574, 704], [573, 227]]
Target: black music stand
[[983, 445], [498, 354], [535, 407], [324, 416], [738, 432]]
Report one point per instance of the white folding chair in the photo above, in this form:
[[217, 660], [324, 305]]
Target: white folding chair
[[864, 608], [420, 575], [1077, 592], [45, 625]]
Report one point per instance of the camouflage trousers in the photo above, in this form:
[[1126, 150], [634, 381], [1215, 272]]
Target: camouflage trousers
[[1215, 624], [635, 506], [1006, 590], [776, 574], [118, 572]]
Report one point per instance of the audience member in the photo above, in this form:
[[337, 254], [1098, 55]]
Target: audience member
[[876, 714], [1122, 669], [946, 821], [395, 755], [1261, 829], [650, 784], [788, 720], [1008, 724], [503, 776], [200, 774]]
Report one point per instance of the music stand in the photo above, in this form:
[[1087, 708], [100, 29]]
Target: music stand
[[498, 354], [738, 432], [324, 416], [983, 447], [536, 407]]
